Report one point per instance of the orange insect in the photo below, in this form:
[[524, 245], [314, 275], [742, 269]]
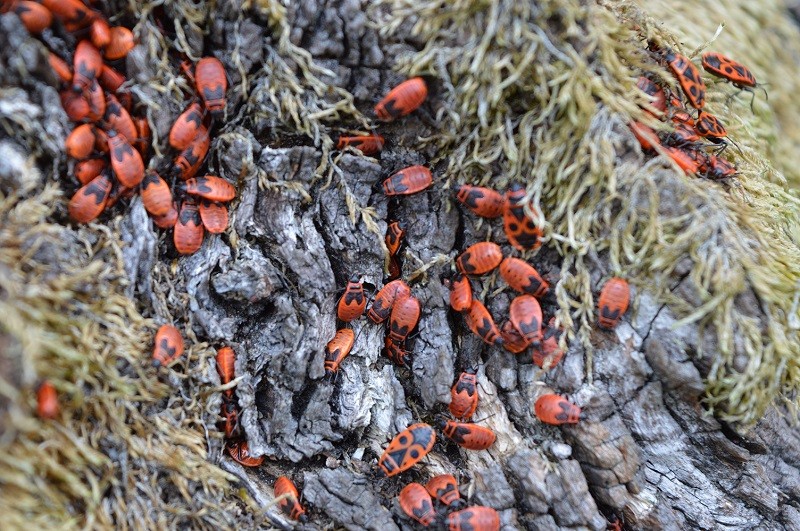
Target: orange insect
[[90, 200], [512, 339], [613, 302], [742, 78], [88, 169], [526, 316], [460, 293], [381, 307], [230, 412], [240, 453], [80, 142], [168, 220], [125, 161], [226, 361], [520, 230], [480, 321], [683, 136], [156, 195], [97, 102], [110, 79], [466, 435], [656, 93], [549, 352], [685, 161], [188, 233], [73, 13], [689, 78], [404, 317], [394, 268], [60, 67], [402, 100], [523, 277], [87, 65], [338, 349], [417, 504], [475, 518], [368, 144], [47, 401], [290, 506], [168, 346], [445, 489], [100, 33], [464, 396], [709, 126], [121, 42], [407, 449], [35, 17], [117, 118], [394, 236], [214, 216], [556, 410], [209, 75], [408, 181], [647, 138], [717, 168], [143, 132], [190, 159], [353, 302], [75, 105], [479, 258], [484, 202], [395, 352], [210, 187], [187, 127]]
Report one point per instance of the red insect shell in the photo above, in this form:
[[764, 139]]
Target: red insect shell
[[353, 302], [209, 75], [168, 346], [86, 66], [47, 401], [110, 79], [368, 144], [143, 131], [407, 449], [394, 236], [520, 230], [211, 188], [291, 505], [445, 489], [186, 127], [190, 159], [613, 302], [417, 503], [480, 258], [381, 307], [484, 202], [97, 102], [226, 361], [404, 317], [188, 233], [402, 100], [80, 142], [460, 293], [512, 339], [240, 453], [338, 349], [121, 43], [684, 160], [408, 181], [88, 169], [75, 105], [60, 67], [214, 216], [464, 396], [556, 410], [100, 33], [526, 316], [395, 352], [689, 78], [156, 195], [476, 518], [717, 168], [168, 220], [125, 161], [117, 118], [647, 138], [480, 321], [656, 93], [467, 435], [90, 200], [709, 126], [73, 13], [35, 17], [523, 277], [717, 64], [549, 352]]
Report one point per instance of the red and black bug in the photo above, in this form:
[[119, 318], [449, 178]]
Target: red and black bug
[[143, 131], [475, 518], [214, 216], [523, 277], [613, 302], [226, 361], [402, 100], [407, 449], [480, 321], [445, 489], [240, 452], [190, 159], [338, 349], [526, 316], [87, 65], [47, 401], [556, 410], [290, 506], [189, 232], [209, 75], [168, 220], [479, 258], [381, 307], [404, 317], [156, 195], [408, 181], [353, 301], [394, 236], [230, 412], [110, 79], [689, 78], [716, 168], [35, 17], [467, 435], [60, 67], [100, 33], [647, 138], [90, 200], [484, 202], [657, 95], [80, 142], [460, 292], [88, 169], [464, 395], [512, 339], [120, 44], [97, 102], [395, 352], [368, 144], [117, 118], [686, 160], [168, 346], [549, 353], [210, 187], [520, 229], [417, 503], [72, 13], [683, 136], [739, 75], [75, 105], [186, 127], [125, 161]]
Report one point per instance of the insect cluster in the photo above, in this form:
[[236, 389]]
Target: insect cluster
[[417, 502], [695, 143]]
